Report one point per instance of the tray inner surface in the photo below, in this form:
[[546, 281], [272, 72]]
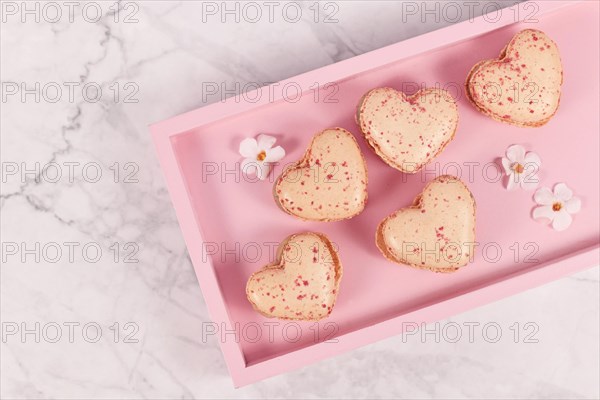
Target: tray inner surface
[[231, 209]]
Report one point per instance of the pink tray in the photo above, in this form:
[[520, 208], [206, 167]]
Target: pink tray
[[377, 297]]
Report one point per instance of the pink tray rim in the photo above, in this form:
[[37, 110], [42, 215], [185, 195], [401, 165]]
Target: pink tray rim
[[243, 373]]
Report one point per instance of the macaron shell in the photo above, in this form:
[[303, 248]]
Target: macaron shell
[[436, 233], [407, 132], [329, 183], [303, 285], [523, 86]]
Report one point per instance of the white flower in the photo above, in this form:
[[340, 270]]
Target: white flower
[[259, 155], [521, 169], [556, 207]]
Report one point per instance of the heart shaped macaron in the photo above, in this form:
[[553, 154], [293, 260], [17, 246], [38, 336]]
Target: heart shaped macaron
[[329, 183], [303, 284], [437, 232], [523, 86], [407, 132]]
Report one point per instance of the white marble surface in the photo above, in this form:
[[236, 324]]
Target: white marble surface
[[168, 53]]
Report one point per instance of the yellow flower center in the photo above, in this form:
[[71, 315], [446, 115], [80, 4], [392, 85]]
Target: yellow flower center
[[518, 168], [261, 156], [556, 207]]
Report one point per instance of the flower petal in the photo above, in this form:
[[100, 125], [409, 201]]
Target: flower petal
[[532, 158], [265, 142], [506, 164], [529, 181], [562, 220], [275, 154], [249, 148], [516, 153], [543, 212], [544, 196], [263, 171], [573, 205], [562, 192], [249, 166], [513, 181]]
